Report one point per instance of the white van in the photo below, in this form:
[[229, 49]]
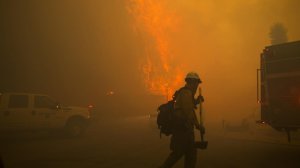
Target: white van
[[26, 111]]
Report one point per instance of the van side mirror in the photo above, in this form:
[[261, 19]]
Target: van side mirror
[[55, 106], [58, 106]]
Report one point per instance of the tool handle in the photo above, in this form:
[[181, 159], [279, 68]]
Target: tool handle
[[201, 136], [200, 107], [200, 115]]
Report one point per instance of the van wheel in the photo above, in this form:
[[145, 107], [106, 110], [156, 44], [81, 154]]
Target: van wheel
[[75, 128]]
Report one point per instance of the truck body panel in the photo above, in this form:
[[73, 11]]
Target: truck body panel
[[280, 85]]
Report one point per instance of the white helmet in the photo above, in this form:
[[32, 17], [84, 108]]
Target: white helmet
[[193, 75]]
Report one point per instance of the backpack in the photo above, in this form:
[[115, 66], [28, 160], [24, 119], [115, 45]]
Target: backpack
[[165, 117]]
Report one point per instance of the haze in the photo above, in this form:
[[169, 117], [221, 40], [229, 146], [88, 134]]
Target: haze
[[77, 51], [126, 57]]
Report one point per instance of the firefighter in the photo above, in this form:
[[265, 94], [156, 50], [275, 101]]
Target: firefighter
[[183, 137]]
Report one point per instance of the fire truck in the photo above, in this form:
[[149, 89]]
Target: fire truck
[[278, 86]]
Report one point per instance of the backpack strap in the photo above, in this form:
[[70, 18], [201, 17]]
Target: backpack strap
[[175, 95]]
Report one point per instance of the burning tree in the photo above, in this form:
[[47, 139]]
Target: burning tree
[[155, 23]]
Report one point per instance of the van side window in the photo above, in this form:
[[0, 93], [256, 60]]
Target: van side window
[[43, 102], [18, 101]]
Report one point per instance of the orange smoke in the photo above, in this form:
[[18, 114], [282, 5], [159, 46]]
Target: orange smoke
[[156, 23]]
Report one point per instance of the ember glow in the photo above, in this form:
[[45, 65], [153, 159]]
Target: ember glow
[[155, 23]]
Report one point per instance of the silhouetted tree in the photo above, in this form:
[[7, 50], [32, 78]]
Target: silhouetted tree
[[278, 34]]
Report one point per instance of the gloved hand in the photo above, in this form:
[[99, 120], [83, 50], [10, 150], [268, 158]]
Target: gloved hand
[[199, 99]]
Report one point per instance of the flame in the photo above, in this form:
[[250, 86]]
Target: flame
[[156, 23]]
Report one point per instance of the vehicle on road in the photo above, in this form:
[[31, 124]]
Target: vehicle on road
[[279, 86], [33, 112]]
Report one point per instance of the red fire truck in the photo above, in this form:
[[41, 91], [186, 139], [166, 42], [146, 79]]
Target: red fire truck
[[279, 86]]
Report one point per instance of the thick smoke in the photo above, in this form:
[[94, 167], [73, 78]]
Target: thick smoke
[[223, 40], [278, 34], [78, 51]]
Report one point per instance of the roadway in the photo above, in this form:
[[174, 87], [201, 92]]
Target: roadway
[[134, 142]]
